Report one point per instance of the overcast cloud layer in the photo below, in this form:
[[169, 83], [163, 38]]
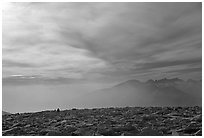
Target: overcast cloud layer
[[102, 40]]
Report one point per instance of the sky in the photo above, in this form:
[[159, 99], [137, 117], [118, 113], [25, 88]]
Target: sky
[[102, 41], [55, 52]]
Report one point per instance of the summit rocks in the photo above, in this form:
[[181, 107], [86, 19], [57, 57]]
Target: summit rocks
[[128, 121]]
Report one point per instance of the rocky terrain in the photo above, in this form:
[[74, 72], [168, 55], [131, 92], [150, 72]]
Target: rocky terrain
[[127, 121]]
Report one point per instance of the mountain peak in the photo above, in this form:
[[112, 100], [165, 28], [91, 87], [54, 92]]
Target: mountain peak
[[165, 80], [132, 82], [129, 82]]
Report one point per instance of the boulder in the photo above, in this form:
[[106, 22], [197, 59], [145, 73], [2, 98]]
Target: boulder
[[150, 132], [70, 128], [198, 133], [131, 133], [109, 132], [12, 130]]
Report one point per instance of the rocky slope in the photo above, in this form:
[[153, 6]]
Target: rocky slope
[[146, 121]]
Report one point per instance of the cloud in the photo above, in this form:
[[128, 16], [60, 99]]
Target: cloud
[[189, 70], [78, 40], [162, 64], [7, 63]]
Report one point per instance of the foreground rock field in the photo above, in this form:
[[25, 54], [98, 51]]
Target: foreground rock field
[[128, 121]]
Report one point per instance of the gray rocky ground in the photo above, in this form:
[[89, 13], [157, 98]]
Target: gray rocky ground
[[128, 121]]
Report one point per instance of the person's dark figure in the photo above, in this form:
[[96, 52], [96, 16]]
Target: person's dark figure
[[58, 110]]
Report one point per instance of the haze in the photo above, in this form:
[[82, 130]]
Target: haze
[[53, 52]]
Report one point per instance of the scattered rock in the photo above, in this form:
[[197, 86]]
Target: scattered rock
[[198, 133], [70, 128], [174, 133], [43, 132], [148, 117], [27, 126], [12, 130], [131, 133], [18, 125], [149, 132], [63, 121], [128, 121], [9, 119], [108, 132], [55, 133], [191, 130], [198, 118]]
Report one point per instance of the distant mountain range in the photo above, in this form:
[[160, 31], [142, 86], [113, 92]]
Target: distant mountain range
[[5, 113], [164, 92]]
